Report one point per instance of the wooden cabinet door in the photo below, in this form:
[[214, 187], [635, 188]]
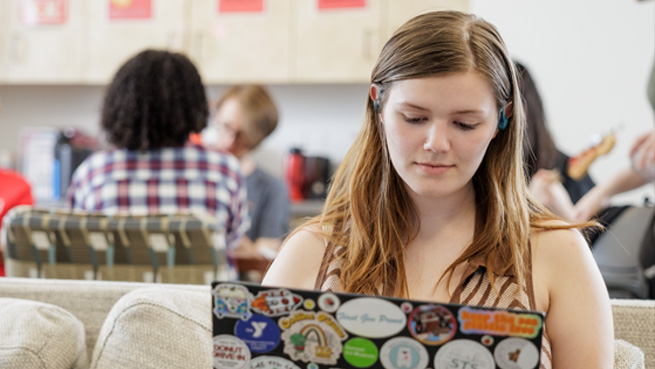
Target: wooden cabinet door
[[335, 46], [111, 42], [38, 53], [246, 47], [399, 12]]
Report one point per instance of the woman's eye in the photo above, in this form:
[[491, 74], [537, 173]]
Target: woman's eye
[[465, 126], [413, 119]]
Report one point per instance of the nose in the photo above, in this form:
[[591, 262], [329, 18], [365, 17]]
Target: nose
[[436, 138]]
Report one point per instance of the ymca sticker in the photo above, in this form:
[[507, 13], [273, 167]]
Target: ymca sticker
[[516, 353], [272, 362], [260, 333], [464, 353], [312, 337], [432, 324], [229, 352], [231, 300], [404, 353], [276, 302]]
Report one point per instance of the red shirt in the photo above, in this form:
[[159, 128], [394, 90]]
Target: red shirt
[[14, 191]]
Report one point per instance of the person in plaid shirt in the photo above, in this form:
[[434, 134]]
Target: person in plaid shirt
[[154, 102]]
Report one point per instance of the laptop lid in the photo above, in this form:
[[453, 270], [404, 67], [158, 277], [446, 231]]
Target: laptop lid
[[266, 327]]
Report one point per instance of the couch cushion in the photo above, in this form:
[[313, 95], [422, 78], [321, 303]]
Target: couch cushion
[[156, 328], [627, 356], [40, 335], [633, 322]]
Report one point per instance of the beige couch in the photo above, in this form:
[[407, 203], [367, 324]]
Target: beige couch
[[51, 323]]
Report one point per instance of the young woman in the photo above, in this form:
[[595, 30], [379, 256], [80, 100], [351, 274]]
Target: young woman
[[431, 201]]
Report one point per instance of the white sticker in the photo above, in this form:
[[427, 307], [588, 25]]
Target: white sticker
[[158, 242], [516, 353], [371, 317], [272, 362], [328, 302], [404, 353], [229, 352], [98, 241], [464, 353], [41, 240]]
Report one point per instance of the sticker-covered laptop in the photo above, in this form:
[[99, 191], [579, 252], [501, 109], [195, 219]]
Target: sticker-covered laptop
[[257, 327]]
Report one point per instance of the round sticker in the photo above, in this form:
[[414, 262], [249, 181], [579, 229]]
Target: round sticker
[[309, 304], [406, 307], [487, 340], [516, 353], [432, 324], [464, 354], [360, 352], [403, 353], [328, 302], [229, 352], [272, 362], [260, 333]]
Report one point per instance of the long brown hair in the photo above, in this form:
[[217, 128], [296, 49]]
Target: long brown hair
[[368, 210]]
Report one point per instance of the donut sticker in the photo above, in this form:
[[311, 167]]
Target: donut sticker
[[464, 353], [432, 324], [328, 302], [312, 337], [403, 353], [272, 362], [516, 353], [502, 323], [231, 300], [276, 302], [229, 352], [259, 333]]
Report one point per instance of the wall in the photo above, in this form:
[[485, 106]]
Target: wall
[[591, 65]]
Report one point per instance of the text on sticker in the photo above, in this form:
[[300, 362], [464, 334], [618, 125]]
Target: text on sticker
[[499, 322]]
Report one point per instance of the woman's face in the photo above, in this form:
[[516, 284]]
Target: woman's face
[[231, 122], [438, 130]]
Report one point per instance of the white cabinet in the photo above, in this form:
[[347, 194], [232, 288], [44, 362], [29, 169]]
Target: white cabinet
[[241, 47], [110, 42], [42, 53], [333, 46], [4, 24]]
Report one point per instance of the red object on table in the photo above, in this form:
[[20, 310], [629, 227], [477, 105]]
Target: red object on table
[[295, 175]]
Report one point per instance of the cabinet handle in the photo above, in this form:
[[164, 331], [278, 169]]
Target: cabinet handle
[[18, 48]]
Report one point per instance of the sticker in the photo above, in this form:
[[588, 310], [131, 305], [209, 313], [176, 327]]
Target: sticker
[[231, 300], [464, 354], [229, 352], [272, 362], [499, 322], [276, 302], [406, 307], [260, 333], [371, 317], [403, 353], [328, 302], [487, 340], [312, 366], [516, 353], [432, 324], [312, 337], [309, 304], [360, 352]]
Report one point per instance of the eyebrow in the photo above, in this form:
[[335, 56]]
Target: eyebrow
[[465, 111]]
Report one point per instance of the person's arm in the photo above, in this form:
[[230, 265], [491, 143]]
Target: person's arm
[[297, 264], [546, 187], [578, 311], [600, 196], [642, 155]]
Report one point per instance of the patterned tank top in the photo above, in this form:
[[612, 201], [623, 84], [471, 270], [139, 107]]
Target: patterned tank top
[[474, 289]]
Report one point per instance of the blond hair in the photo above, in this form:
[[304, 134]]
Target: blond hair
[[368, 210]]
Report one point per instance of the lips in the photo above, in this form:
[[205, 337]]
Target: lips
[[434, 168]]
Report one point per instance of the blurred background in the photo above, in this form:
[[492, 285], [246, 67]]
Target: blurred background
[[591, 61]]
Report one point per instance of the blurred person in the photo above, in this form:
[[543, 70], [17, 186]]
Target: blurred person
[[244, 117], [155, 100]]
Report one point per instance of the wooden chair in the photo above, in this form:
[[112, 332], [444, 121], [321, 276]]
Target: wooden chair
[[175, 248]]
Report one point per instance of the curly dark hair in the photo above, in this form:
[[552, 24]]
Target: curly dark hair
[[155, 100]]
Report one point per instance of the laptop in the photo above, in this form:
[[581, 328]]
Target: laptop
[[260, 327]]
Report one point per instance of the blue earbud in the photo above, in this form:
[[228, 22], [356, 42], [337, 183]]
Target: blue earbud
[[502, 119], [376, 105]]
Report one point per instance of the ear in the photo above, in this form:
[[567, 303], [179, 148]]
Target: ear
[[509, 109], [374, 92]]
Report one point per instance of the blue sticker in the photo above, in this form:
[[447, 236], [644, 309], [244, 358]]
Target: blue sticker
[[260, 333]]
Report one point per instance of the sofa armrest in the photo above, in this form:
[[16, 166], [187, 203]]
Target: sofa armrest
[[634, 322]]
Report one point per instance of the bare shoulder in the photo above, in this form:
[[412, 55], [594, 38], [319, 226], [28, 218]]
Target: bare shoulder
[[297, 264]]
